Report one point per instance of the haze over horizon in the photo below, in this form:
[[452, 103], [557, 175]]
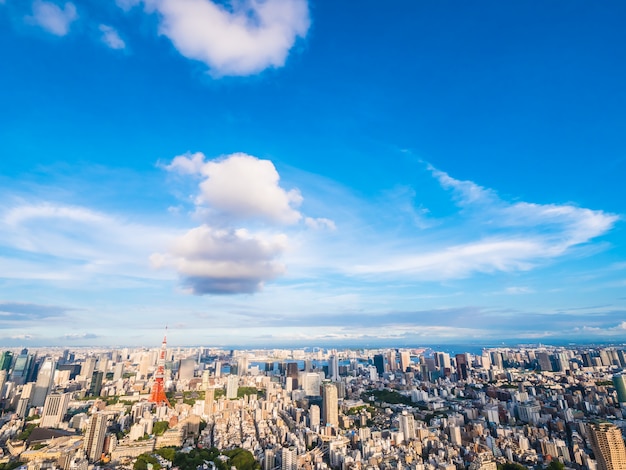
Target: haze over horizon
[[293, 172]]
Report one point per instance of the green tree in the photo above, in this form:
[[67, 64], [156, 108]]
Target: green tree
[[159, 428], [143, 460], [168, 453], [555, 465]]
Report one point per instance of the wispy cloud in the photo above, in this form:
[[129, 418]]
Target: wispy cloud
[[501, 236], [242, 38], [52, 17], [111, 38]]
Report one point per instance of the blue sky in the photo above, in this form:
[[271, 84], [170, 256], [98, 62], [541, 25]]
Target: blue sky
[[293, 172]]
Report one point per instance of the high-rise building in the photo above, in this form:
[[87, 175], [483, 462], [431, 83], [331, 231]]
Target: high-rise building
[[461, 366], [186, 369], [3, 379], [96, 383], [379, 363], [45, 379], [333, 368], [391, 360], [405, 360], [289, 458], [619, 382], [209, 399], [94, 437], [314, 416], [88, 367], [311, 383], [22, 367], [6, 360], [407, 425], [608, 446], [232, 386], [54, 409], [330, 405]]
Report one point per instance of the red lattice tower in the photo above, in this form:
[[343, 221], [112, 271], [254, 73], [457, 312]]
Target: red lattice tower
[[157, 395]]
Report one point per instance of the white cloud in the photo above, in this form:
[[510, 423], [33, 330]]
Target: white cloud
[[241, 186], [320, 223], [238, 38], [74, 242], [53, 18], [489, 235], [214, 261], [111, 38]]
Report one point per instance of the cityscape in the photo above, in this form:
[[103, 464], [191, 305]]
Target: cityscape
[[312, 235], [313, 408]]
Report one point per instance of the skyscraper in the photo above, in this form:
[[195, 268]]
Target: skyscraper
[[379, 363], [330, 405], [407, 425], [209, 399], [608, 446], [333, 368], [94, 437], [405, 360], [6, 360], [461, 366], [54, 409], [44, 382], [619, 382], [232, 386]]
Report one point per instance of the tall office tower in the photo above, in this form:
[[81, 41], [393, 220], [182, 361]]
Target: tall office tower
[[312, 383], [96, 383], [269, 459], [608, 446], [6, 360], [88, 367], [314, 415], [209, 399], [22, 367], [24, 401], [45, 379], [186, 370], [94, 437], [333, 368], [405, 360], [379, 363], [330, 405], [442, 360], [242, 365], [407, 425], [291, 370], [218, 369], [461, 366], [543, 358], [455, 435], [232, 386], [157, 395], [118, 371], [619, 382], [391, 360], [54, 409], [103, 363], [289, 458], [3, 380]]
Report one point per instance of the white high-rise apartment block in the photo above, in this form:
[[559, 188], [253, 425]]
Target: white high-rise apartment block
[[54, 410]]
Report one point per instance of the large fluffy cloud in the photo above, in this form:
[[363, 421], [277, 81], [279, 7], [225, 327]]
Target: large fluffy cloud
[[238, 38], [214, 261], [241, 187]]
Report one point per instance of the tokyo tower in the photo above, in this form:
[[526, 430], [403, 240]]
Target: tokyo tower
[[157, 395]]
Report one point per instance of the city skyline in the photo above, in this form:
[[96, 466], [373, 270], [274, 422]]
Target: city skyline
[[301, 173]]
